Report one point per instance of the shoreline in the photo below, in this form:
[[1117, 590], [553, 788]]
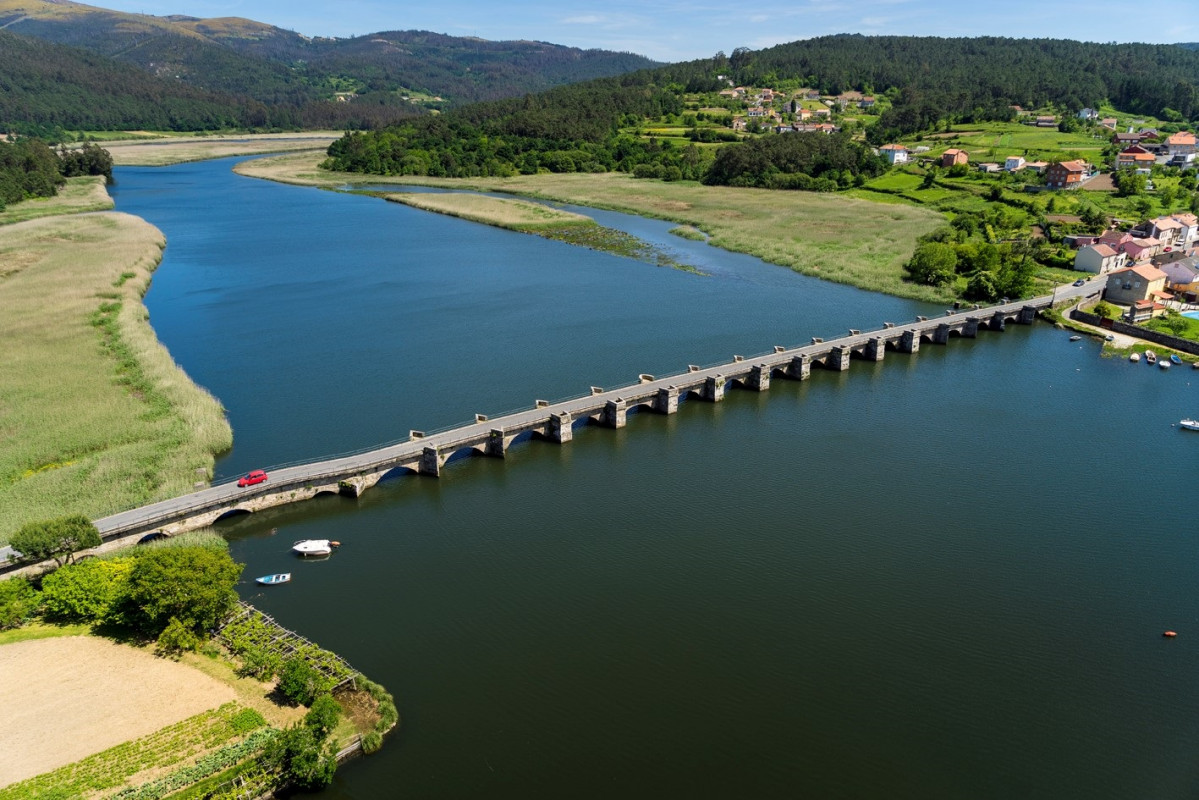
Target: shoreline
[[795, 230]]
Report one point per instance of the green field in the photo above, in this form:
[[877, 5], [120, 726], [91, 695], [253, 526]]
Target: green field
[[995, 141]]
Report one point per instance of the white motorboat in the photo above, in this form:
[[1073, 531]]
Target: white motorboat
[[314, 547], [1189, 424]]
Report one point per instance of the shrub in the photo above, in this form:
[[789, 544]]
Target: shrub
[[191, 584], [86, 592], [259, 663], [372, 742], [18, 602], [296, 754], [177, 637]]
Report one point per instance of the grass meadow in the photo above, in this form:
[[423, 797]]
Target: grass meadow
[[95, 417], [844, 239], [76, 196], [181, 149]]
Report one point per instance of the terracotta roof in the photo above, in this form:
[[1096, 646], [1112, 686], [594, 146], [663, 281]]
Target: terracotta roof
[[1167, 223], [1148, 272], [1187, 219], [892, 147], [1182, 137], [1074, 166], [1103, 250]]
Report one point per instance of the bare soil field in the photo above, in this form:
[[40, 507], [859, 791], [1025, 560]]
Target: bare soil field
[[66, 698], [161, 152]]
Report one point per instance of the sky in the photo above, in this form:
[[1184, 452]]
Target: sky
[[670, 30]]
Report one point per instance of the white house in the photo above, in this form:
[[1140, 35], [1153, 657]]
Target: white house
[[1098, 258], [1013, 163], [894, 153]]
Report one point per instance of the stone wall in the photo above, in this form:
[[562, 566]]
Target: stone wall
[[1157, 337]]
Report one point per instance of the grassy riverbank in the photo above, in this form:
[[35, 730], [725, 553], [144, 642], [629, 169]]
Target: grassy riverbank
[[847, 240], [75, 197], [95, 415], [527, 217]]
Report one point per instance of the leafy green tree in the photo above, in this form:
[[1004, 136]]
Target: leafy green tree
[[192, 584], [1106, 310], [59, 538], [981, 286], [301, 682], [299, 758], [89, 591], [323, 716], [1175, 323], [177, 638], [19, 602], [1128, 183], [933, 264]]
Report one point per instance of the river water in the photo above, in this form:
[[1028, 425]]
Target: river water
[[941, 576]]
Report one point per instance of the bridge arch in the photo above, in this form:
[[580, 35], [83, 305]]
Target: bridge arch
[[153, 536], [232, 512]]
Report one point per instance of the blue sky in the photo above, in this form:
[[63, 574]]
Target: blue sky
[[669, 30]]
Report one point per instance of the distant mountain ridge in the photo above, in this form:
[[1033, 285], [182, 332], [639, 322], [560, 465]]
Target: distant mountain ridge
[[273, 65]]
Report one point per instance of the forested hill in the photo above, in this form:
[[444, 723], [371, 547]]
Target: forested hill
[[46, 88], [940, 77], [273, 65]]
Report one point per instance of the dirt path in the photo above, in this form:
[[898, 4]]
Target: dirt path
[[66, 698]]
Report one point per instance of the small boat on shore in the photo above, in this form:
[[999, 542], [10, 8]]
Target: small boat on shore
[[1189, 424], [1075, 338], [1175, 358], [1150, 357], [1134, 357], [1164, 363], [314, 547], [272, 580]]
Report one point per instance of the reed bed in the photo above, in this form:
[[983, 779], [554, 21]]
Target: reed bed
[[76, 196], [95, 416]]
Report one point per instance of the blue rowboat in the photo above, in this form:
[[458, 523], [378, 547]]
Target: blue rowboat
[[271, 580]]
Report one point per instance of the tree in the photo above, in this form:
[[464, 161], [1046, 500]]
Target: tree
[[59, 538], [323, 716], [296, 754], [1175, 323], [301, 682], [192, 584], [933, 263]]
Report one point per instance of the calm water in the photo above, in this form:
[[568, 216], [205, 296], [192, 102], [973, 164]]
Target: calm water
[[942, 576]]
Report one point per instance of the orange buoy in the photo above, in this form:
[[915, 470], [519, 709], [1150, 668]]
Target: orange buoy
[[1169, 634], [335, 544]]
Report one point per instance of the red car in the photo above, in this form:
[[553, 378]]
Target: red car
[[251, 478]]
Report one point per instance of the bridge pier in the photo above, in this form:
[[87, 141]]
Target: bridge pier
[[615, 414], [941, 334], [800, 368], [560, 428], [351, 487], [667, 400], [838, 359], [970, 329], [876, 349], [431, 462], [759, 378], [998, 321], [714, 389], [910, 342], [1027, 315], [497, 443]]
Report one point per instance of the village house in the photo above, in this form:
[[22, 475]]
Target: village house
[[823, 112], [1046, 122], [1189, 235], [811, 94], [1166, 230], [866, 102], [1143, 311], [1088, 113], [1141, 249], [954, 156], [1109, 123], [1181, 147], [1116, 239], [1129, 138], [894, 153], [1136, 158], [1135, 284], [989, 167], [1013, 163], [1036, 166], [1182, 277], [1066, 174], [1098, 259], [803, 113], [847, 98]]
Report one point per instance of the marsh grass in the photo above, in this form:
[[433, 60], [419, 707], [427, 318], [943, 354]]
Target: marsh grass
[[95, 417], [526, 217], [76, 196], [844, 239]]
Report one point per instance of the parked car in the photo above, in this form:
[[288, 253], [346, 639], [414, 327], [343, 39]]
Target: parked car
[[1080, 281], [251, 478]]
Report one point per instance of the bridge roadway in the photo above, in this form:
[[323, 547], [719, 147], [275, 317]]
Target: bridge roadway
[[353, 474]]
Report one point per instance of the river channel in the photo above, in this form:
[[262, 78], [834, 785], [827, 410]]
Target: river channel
[[941, 576]]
